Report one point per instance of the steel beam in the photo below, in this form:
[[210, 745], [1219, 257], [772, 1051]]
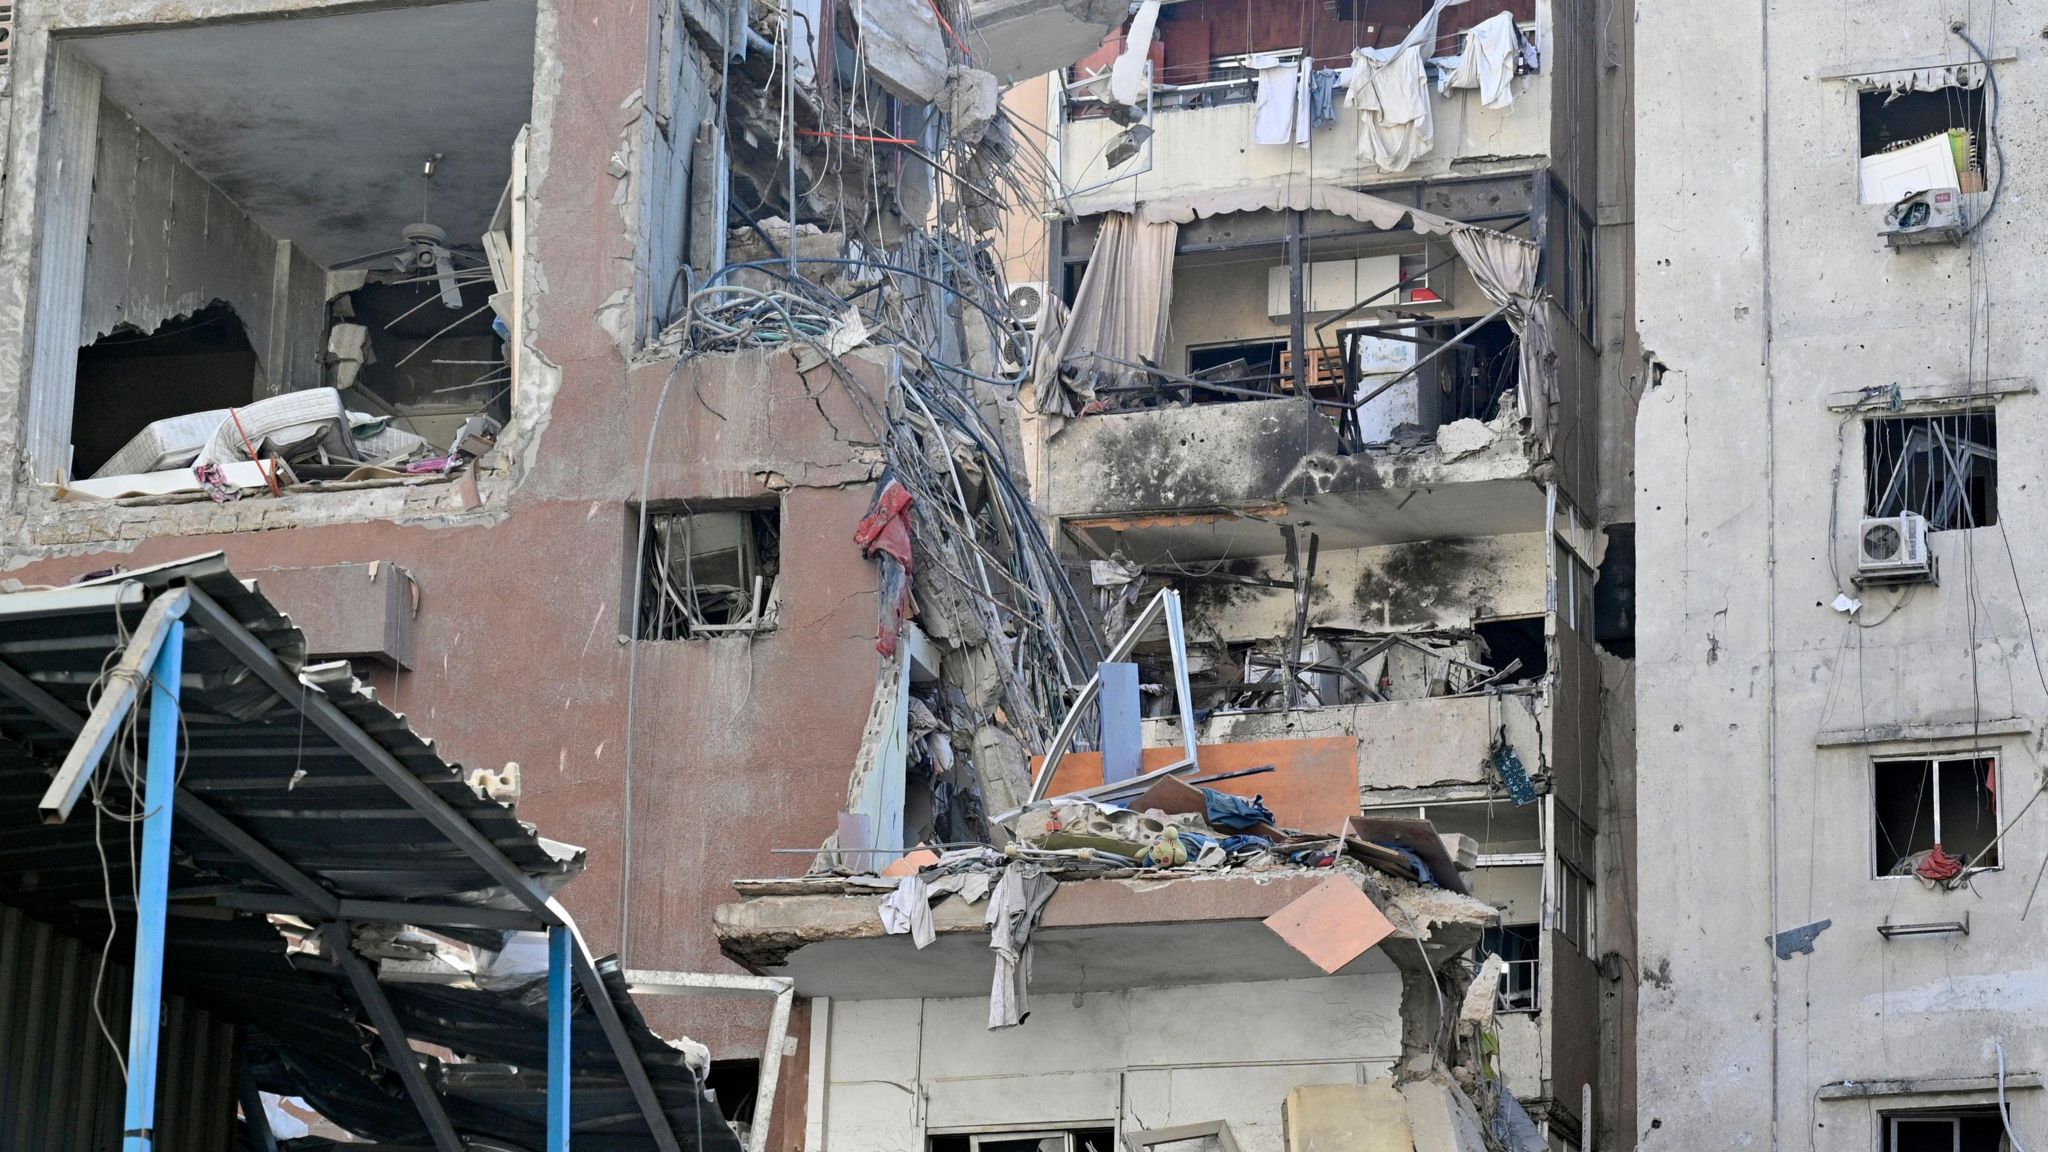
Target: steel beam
[[327, 716], [396, 1048], [160, 786], [38, 700], [719, 985], [561, 965], [123, 686], [252, 1109], [614, 1027], [275, 868]]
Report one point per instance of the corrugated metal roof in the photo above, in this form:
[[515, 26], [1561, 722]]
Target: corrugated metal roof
[[255, 760]]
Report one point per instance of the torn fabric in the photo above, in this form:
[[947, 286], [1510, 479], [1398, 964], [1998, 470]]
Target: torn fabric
[[1505, 268], [1127, 82], [1118, 317], [1013, 910], [1292, 196], [886, 532]]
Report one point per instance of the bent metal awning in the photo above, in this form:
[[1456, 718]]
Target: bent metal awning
[[308, 820]]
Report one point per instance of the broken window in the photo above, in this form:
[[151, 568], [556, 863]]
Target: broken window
[[1978, 1129], [1054, 1140], [1572, 912], [1520, 946], [130, 379], [1920, 141], [1944, 468], [706, 573], [1924, 804], [1514, 647]]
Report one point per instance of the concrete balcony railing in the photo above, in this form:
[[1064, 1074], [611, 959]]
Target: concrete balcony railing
[[1196, 151], [1267, 451]]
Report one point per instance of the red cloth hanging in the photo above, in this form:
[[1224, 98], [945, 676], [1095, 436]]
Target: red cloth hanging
[[1938, 866], [886, 530]]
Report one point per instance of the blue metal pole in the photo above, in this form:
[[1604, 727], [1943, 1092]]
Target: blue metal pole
[[560, 973], [160, 783]]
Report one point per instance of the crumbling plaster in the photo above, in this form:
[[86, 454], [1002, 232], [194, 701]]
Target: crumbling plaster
[[1763, 285], [1257, 451]]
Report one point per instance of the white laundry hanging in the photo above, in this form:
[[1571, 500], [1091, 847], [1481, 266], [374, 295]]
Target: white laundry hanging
[[1488, 62], [1391, 89], [1274, 107]]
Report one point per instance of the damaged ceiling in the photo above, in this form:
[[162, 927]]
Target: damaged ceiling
[[319, 127]]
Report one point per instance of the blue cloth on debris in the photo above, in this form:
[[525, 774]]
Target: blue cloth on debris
[[1236, 844], [1195, 841], [1236, 812], [1414, 861]]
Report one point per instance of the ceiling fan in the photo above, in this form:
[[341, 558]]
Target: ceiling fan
[[423, 251]]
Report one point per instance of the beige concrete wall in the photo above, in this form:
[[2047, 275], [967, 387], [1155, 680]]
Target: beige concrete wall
[[898, 1070], [1763, 286]]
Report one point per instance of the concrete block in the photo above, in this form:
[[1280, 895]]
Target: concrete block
[[904, 47], [1345, 1118], [1441, 1118], [971, 102], [1461, 438]]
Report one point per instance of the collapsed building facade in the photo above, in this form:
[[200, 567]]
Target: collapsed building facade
[[1841, 720], [634, 394]]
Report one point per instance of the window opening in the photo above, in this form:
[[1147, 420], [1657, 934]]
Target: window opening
[[1944, 468], [1924, 804], [1051, 1140], [129, 379], [1508, 641], [1520, 945], [1919, 141], [1953, 1130], [733, 1085], [1573, 913], [706, 573]]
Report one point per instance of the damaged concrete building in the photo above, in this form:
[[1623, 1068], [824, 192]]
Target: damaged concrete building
[[1841, 696], [1208, 622]]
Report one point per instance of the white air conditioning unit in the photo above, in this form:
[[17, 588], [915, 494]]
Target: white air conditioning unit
[[1934, 217], [1893, 548], [1028, 302]]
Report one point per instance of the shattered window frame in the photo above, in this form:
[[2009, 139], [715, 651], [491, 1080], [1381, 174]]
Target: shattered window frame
[[671, 604], [1979, 762], [1943, 467]]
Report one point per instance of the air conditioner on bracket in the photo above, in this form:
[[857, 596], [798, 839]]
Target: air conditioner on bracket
[[1893, 549], [1028, 301], [1934, 217]]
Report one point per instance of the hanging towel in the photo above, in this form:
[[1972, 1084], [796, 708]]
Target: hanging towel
[[1273, 113], [1304, 82]]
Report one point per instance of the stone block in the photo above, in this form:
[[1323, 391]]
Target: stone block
[[1345, 1118], [904, 47], [1441, 1118]]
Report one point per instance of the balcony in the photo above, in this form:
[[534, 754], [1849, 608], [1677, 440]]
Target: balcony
[[1205, 148]]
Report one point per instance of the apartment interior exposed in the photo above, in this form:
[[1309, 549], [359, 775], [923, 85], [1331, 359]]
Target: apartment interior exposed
[[285, 205]]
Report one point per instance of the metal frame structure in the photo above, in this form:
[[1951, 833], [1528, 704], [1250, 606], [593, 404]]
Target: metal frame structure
[[158, 644], [728, 985], [1166, 603]]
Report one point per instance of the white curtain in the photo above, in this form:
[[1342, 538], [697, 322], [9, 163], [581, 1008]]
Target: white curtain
[[1505, 267], [1118, 317]]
